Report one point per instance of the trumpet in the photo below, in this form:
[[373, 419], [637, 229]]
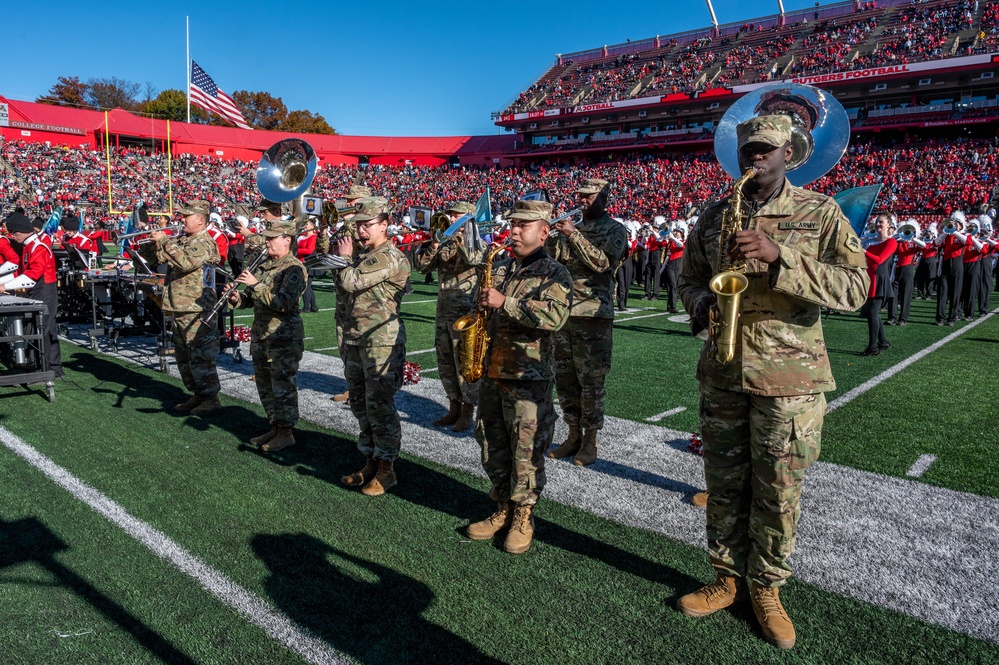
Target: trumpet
[[332, 215], [571, 213], [950, 228], [170, 228]]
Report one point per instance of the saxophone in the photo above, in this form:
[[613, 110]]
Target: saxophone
[[729, 281], [472, 327]]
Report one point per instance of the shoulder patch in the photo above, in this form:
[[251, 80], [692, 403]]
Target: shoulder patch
[[371, 262], [853, 243]]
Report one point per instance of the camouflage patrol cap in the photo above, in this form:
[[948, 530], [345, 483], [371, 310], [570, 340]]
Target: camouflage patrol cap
[[197, 207], [266, 205], [370, 207], [530, 211], [358, 192], [461, 207], [281, 228], [593, 186], [772, 130]]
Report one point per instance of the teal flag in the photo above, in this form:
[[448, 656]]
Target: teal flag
[[483, 209], [858, 204]]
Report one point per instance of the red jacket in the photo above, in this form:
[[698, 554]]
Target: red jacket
[[675, 249], [306, 245], [7, 252], [971, 253], [907, 253], [952, 248], [37, 261], [876, 255], [222, 242], [81, 242]]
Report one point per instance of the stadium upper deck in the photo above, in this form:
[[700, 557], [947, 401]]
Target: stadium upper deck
[[893, 63]]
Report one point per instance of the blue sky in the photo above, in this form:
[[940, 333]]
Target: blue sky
[[370, 68]]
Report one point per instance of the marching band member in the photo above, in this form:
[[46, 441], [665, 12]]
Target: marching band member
[[218, 234], [277, 337], [951, 270], [973, 252], [188, 293], [36, 274], [625, 273], [237, 244], [373, 343], [654, 264], [306, 248], [457, 272], [879, 254], [929, 264], [591, 252], [989, 251], [73, 237], [7, 252], [905, 270], [516, 420], [674, 259]]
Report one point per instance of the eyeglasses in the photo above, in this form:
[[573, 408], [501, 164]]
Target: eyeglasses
[[373, 222]]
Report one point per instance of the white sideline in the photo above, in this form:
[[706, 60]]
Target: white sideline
[[921, 465], [665, 414], [278, 626]]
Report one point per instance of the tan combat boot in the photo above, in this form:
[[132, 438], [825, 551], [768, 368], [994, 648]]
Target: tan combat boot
[[493, 524], [282, 439], [587, 454], [700, 499], [451, 417], [384, 480], [518, 540], [341, 397], [466, 420], [192, 401], [718, 595], [264, 438], [570, 446], [209, 405], [362, 477], [776, 625]]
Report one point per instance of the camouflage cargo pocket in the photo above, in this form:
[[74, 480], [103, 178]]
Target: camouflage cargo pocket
[[806, 434]]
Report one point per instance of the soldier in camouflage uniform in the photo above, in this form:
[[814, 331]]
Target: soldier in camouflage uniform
[[592, 253], [374, 343], [277, 337], [354, 194], [457, 271], [761, 414], [188, 294], [528, 304]]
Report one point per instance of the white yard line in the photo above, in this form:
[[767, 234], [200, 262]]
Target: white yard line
[[418, 302], [420, 352], [277, 626], [666, 414], [635, 318], [921, 466], [851, 395]]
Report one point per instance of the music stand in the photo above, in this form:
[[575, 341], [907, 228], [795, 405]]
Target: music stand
[[77, 259], [140, 264]]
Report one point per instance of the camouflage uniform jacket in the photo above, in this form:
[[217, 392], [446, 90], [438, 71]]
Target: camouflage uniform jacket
[[780, 349], [188, 258], [275, 298], [374, 286], [457, 271], [592, 253], [521, 333]]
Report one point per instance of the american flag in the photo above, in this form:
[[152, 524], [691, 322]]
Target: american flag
[[205, 94]]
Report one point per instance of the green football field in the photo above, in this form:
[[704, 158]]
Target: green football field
[[129, 534]]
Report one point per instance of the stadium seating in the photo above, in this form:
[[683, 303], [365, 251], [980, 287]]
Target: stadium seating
[[930, 178]]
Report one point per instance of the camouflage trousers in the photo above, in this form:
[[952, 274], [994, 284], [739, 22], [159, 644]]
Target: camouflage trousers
[[275, 364], [374, 374], [756, 450], [582, 360], [515, 426], [446, 342], [195, 347]]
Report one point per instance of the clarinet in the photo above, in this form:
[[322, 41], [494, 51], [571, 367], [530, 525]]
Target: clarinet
[[257, 261]]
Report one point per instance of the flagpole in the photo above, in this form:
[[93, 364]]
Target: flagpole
[[187, 24]]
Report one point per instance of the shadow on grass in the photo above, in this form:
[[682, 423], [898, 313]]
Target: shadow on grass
[[28, 540], [365, 609]]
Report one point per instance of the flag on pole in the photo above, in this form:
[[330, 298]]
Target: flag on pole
[[205, 94]]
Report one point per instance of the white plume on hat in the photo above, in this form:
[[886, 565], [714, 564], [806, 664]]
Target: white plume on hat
[[215, 218], [242, 219], [659, 220], [681, 225], [959, 216], [933, 228]]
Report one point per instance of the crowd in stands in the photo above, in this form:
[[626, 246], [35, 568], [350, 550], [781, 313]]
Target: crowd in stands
[[932, 177], [870, 37]]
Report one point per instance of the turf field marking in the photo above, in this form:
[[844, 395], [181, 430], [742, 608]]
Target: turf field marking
[[851, 395], [418, 302], [420, 352], [328, 348], [635, 318], [921, 465], [258, 611], [665, 414]]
